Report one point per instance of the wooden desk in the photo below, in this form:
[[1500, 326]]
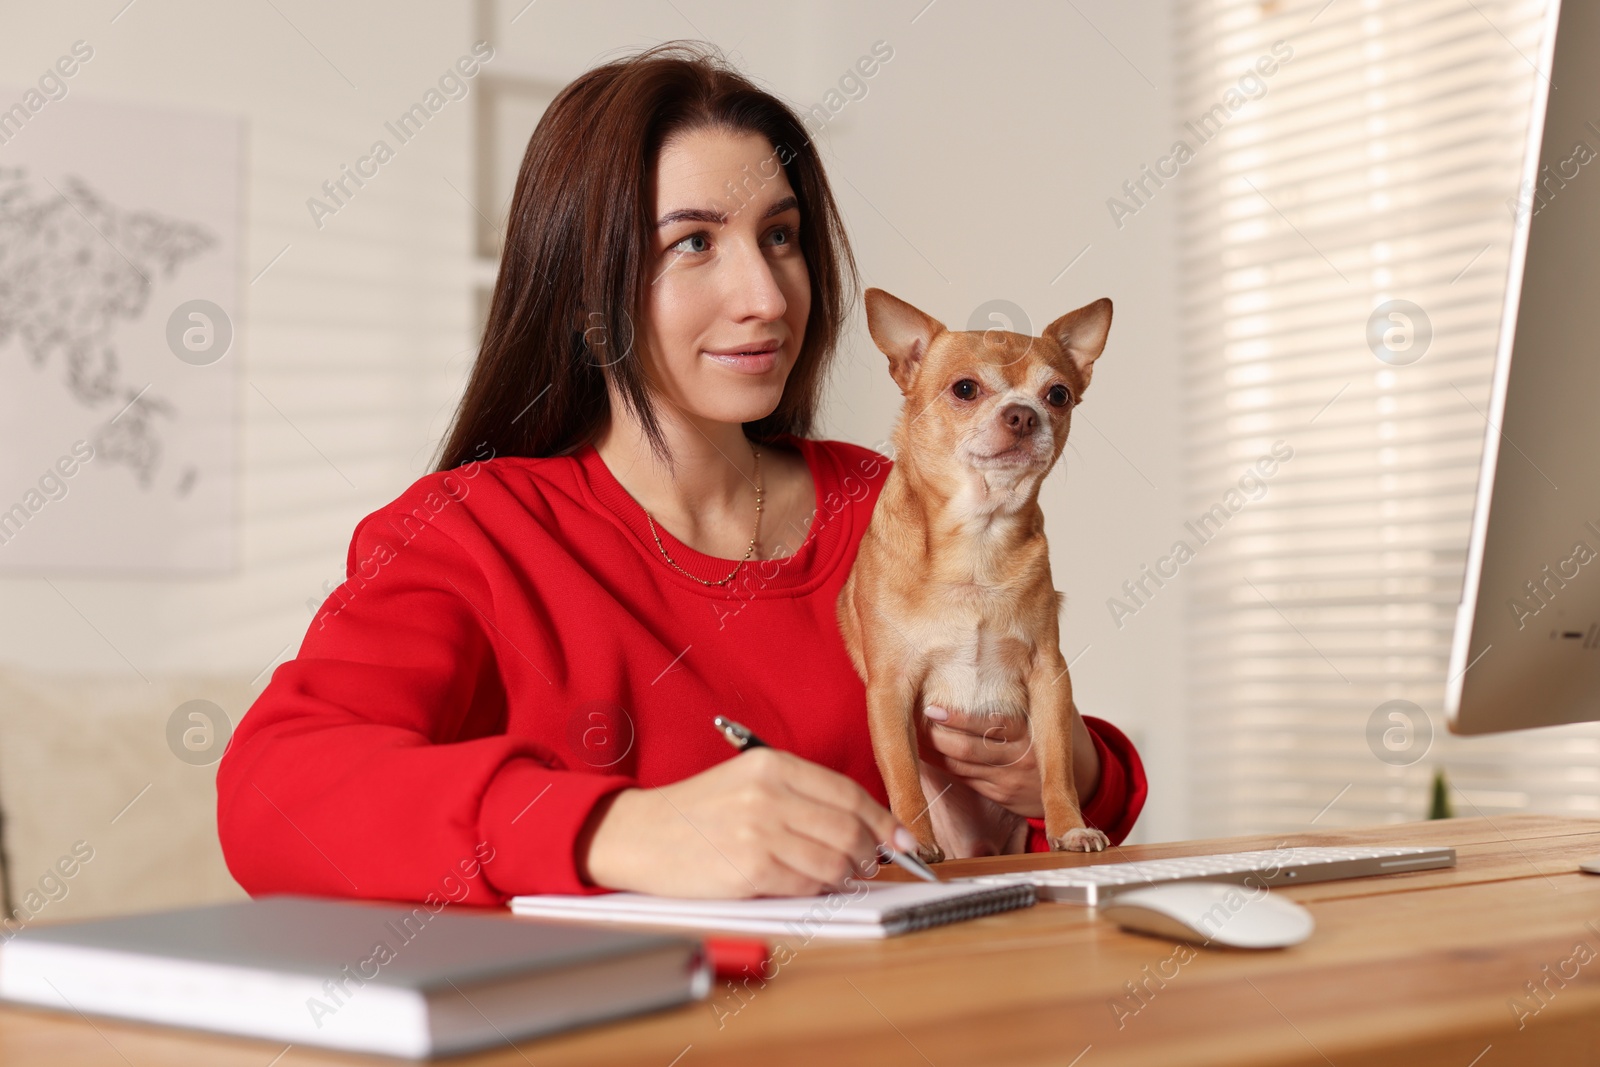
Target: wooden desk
[[1406, 969]]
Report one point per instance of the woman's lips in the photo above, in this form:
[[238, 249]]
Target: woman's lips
[[755, 363]]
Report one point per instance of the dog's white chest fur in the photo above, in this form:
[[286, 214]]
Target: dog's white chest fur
[[986, 497], [974, 664]]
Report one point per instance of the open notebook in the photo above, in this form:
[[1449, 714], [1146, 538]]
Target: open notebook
[[865, 909]]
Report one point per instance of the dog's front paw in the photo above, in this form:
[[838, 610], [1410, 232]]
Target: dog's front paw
[[1083, 839], [929, 853]]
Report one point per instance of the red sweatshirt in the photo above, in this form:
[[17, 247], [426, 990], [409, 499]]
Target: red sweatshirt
[[510, 648]]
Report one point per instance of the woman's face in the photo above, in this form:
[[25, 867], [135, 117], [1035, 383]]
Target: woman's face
[[728, 276]]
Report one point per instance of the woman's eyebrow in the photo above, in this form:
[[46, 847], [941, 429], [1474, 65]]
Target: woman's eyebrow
[[781, 206], [700, 214]]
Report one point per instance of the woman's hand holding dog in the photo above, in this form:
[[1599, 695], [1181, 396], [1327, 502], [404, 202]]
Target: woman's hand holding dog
[[765, 823], [994, 756]]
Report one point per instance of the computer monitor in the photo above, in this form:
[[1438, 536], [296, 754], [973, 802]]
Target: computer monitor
[[1527, 638]]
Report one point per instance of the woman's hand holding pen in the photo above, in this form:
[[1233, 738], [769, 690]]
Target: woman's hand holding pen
[[765, 823]]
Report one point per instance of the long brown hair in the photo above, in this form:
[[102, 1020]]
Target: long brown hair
[[574, 273]]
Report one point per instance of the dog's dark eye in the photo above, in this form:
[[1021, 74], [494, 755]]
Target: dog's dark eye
[[965, 389], [1058, 395]]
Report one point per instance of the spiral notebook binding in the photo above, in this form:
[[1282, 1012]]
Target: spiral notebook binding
[[922, 916]]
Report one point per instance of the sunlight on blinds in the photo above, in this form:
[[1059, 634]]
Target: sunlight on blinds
[[1348, 200]]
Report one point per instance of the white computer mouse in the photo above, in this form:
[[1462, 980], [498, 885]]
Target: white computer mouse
[[1212, 913]]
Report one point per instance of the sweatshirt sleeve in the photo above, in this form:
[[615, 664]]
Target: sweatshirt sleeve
[[1118, 798], [375, 764]]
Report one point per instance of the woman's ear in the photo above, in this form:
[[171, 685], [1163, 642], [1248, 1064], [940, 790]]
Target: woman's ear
[[902, 333]]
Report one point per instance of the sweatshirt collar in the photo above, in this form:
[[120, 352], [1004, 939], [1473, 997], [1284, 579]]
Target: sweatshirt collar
[[788, 575]]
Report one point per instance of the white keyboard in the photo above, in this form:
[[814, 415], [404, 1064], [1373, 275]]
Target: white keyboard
[[1099, 882]]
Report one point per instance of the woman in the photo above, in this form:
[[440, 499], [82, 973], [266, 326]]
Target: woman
[[628, 532]]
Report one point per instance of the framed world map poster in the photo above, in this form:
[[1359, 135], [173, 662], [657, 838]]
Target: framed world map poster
[[119, 349]]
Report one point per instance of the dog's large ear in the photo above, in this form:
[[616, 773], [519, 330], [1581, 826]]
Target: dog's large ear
[[902, 332], [1082, 334]]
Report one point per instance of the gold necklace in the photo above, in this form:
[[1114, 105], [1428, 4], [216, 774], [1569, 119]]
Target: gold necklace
[[747, 552]]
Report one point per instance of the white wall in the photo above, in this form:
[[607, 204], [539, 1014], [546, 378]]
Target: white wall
[[976, 167], [352, 344]]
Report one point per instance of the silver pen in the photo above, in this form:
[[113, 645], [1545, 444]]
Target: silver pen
[[741, 738]]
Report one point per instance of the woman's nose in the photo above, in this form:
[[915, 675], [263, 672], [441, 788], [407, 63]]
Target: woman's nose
[[754, 289]]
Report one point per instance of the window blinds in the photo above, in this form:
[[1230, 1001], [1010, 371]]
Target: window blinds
[[1347, 205]]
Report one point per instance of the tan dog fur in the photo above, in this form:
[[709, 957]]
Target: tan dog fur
[[950, 600]]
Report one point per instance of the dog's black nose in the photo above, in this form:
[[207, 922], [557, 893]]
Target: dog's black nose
[[1019, 419]]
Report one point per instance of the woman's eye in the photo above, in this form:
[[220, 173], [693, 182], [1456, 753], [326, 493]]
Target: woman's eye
[[965, 389], [784, 235], [1058, 395], [705, 244]]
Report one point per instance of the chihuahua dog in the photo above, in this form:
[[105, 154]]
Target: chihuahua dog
[[950, 601]]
